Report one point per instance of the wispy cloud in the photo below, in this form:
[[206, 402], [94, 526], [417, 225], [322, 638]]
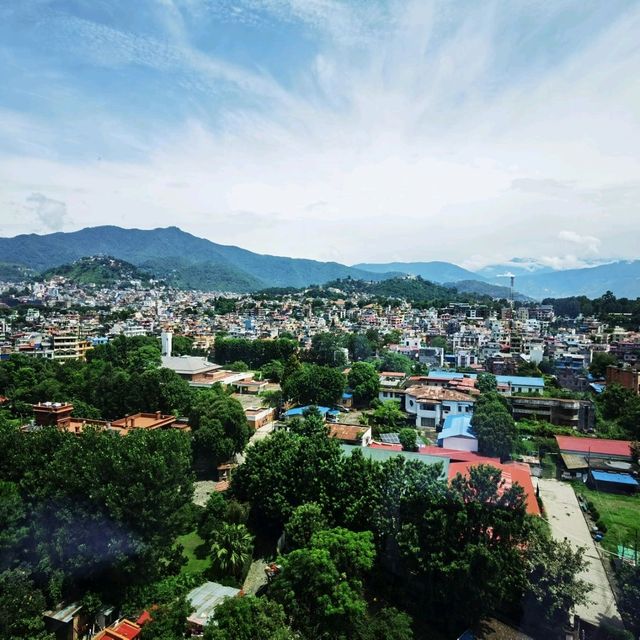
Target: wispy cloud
[[446, 130]]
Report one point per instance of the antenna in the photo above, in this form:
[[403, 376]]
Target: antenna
[[513, 279]]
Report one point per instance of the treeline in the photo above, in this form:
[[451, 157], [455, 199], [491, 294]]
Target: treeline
[[255, 353], [602, 307], [119, 378], [369, 542]]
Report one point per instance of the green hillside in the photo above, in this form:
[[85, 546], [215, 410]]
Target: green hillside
[[98, 270], [140, 247], [205, 276], [15, 272]]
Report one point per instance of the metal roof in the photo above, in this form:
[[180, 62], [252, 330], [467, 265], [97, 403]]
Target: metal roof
[[614, 478], [381, 455], [457, 425], [205, 598]]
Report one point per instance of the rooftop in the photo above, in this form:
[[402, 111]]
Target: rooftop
[[456, 425], [614, 478], [205, 598], [594, 446], [189, 365]]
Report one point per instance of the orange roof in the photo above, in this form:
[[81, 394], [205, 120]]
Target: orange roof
[[346, 431], [123, 630], [512, 473], [421, 392]]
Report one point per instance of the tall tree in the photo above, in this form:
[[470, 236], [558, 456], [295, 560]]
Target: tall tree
[[249, 618], [364, 381], [231, 549]]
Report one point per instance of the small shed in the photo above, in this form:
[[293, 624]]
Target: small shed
[[457, 433], [612, 481], [204, 600]]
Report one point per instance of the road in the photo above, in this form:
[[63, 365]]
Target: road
[[567, 522]]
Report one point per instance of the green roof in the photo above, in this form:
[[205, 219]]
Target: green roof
[[380, 455]]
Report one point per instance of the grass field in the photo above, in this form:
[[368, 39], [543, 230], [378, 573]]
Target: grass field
[[197, 558], [620, 513]]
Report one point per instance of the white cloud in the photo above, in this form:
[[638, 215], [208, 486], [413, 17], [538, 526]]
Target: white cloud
[[408, 139], [50, 213], [589, 243]]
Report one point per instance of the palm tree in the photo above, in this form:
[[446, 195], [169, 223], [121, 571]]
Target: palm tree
[[231, 549]]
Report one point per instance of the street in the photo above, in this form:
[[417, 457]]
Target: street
[[567, 522]]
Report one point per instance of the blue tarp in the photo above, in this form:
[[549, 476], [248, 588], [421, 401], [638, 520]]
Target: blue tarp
[[617, 478]]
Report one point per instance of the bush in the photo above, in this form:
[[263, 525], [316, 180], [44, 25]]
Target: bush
[[602, 526]]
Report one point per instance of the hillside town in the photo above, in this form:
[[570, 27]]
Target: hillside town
[[548, 402]]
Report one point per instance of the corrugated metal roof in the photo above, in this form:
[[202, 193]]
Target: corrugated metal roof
[[614, 478], [205, 598]]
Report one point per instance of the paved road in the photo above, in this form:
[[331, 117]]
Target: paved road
[[567, 521]]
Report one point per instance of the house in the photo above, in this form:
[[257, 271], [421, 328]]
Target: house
[[65, 622], [204, 600], [391, 386], [350, 434], [259, 416], [457, 433], [432, 404]]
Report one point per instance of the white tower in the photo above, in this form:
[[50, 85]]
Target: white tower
[[166, 337]]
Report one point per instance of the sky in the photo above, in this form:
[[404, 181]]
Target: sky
[[354, 131]]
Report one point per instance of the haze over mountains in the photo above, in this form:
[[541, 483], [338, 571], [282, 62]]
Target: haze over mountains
[[191, 262]]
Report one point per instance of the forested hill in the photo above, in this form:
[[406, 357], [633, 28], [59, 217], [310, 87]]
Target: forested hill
[[98, 270], [212, 266], [415, 289]]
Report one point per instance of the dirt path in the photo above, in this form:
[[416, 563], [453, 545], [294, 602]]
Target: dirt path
[[256, 577]]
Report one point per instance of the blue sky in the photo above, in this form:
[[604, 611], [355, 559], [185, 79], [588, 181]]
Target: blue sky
[[350, 131]]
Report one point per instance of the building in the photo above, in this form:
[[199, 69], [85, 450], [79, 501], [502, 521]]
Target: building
[[146, 421], [512, 473], [596, 448], [67, 347], [627, 377], [350, 434], [612, 481], [259, 416], [431, 405], [204, 600], [578, 414], [193, 369], [582, 456], [457, 433]]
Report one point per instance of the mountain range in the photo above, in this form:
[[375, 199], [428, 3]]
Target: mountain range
[[187, 261]]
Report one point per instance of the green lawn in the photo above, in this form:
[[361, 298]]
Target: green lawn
[[195, 553], [620, 513]]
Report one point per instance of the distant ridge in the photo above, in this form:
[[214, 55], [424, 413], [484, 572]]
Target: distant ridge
[[187, 261], [434, 271], [175, 255]]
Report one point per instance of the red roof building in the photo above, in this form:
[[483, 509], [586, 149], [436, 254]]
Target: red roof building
[[512, 473], [596, 447]]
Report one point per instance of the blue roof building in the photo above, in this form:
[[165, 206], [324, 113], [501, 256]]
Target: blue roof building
[[457, 433], [519, 384], [612, 481], [301, 411]]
